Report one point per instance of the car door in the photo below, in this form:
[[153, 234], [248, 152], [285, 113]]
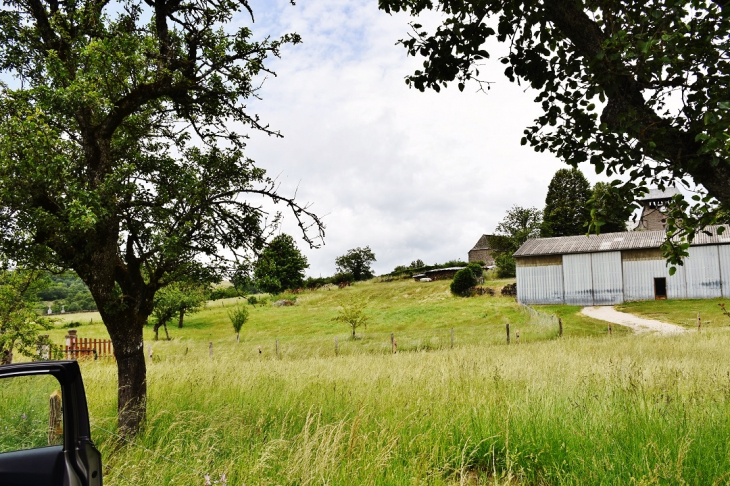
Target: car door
[[44, 427]]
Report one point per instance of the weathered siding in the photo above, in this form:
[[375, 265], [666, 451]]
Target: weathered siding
[[540, 284], [639, 277], [578, 279], [702, 270], [608, 288], [724, 251], [539, 261]]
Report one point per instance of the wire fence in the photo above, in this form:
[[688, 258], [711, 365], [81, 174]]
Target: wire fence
[[539, 318]]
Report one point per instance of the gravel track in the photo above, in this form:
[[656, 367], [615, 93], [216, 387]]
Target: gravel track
[[638, 324]]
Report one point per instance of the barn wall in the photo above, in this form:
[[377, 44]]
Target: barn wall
[[724, 251], [605, 278], [639, 277], [702, 270], [578, 279], [540, 284], [608, 285]]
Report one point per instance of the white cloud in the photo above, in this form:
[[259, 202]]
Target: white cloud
[[410, 174]]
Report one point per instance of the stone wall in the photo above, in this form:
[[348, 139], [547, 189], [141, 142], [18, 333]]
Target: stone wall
[[481, 256]]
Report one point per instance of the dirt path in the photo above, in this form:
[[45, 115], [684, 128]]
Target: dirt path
[[638, 324]]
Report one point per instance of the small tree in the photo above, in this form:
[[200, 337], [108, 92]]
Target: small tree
[[19, 323], [238, 317], [353, 314], [464, 280], [178, 299], [357, 262]]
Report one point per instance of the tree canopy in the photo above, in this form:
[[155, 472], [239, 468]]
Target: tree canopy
[[566, 210], [20, 325], [281, 266], [635, 88], [356, 262], [518, 225], [610, 209], [122, 153]]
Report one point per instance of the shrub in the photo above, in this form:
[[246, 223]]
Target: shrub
[[342, 277], [252, 300], [505, 265], [476, 269], [464, 280], [314, 283]]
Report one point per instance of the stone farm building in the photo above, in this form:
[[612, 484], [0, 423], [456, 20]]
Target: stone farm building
[[482, 251], [612, 268]]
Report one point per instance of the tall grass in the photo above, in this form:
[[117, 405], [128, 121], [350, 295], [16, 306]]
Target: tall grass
[[618, 410]]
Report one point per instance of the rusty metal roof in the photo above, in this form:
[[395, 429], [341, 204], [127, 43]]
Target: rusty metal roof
[[629, 240]]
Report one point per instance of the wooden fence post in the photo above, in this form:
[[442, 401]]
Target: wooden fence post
[[517, 336], [560, 327], [508, 333], [699, 322], [452, 338], [610, 329], [55, 419], [210, 349], [337, 349], [392, 343]]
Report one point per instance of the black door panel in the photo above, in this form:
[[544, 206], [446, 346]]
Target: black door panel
[[74, 463], [33, 467]]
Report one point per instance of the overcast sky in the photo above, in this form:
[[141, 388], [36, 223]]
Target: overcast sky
[[409, 174]]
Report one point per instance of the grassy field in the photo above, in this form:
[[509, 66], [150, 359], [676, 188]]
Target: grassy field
[[584, 409], [681, 312]]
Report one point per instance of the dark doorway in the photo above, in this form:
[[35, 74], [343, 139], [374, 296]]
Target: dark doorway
[[660, 288]]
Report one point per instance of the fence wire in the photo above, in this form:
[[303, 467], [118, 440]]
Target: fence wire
[[539, 318]]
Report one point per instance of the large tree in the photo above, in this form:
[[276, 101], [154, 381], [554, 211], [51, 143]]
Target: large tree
[[281, 266], [357, 262], [122, 152], [637, 88], [566, 210]]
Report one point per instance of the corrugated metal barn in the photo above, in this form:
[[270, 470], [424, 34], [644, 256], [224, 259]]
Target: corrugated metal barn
[[615, 267]]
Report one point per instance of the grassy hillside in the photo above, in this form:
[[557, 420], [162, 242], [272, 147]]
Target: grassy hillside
[[420, 315]]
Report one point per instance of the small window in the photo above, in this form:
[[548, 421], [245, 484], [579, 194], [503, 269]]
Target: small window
[[30, 412], [660, 288]]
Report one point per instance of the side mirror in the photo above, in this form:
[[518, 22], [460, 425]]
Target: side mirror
[[44, 427]]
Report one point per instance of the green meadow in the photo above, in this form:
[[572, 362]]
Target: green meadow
[[584, 408]]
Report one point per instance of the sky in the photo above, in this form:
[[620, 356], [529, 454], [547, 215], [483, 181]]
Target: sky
[[411, 175]]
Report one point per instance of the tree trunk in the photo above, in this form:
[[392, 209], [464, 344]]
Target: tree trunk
[[182, 314], [125, 330], [167, 333], [132, 392]]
